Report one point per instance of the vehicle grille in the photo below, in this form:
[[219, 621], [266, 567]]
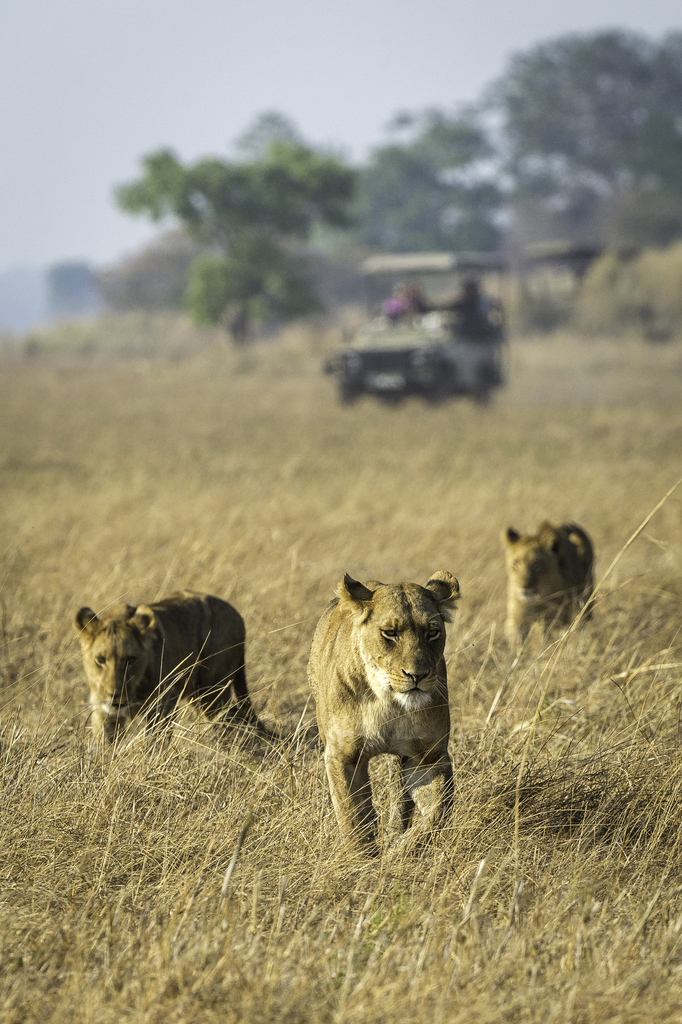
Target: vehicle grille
[[386, 361]]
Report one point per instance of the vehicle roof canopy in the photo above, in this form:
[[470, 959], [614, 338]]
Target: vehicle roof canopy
[[576, 257], [431, 262]]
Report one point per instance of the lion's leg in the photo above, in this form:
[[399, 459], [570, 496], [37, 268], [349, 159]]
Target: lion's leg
[[104, 726], [215, 695], [516, 628], [244, 708], [351, 793], [511, 631], [107, 726], [401, 804], [216, 703], [564, 612], [159, 707], [158, 721], [429, 783], [97, 720]]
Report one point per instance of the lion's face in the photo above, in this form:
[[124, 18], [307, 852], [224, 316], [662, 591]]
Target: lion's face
[[533, 568], [401, 634], [115, 655]]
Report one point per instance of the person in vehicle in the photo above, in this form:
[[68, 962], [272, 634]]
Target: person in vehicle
[[407, 300], [415, 298], [472, 310]]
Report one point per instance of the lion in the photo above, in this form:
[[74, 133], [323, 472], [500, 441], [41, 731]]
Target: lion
[[143, 659], [378, 676], [549, 577]]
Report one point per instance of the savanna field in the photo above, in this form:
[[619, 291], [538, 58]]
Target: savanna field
[[554, 892]]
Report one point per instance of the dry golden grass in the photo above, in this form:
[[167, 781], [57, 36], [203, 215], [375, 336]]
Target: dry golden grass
[[238, 474]]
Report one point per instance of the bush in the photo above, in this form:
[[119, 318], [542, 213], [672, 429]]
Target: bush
[[643, 294], [154, 278]]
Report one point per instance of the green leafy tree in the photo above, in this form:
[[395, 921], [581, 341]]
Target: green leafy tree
[[247, 214], [256, 280], [590, 117], [432, 188], [270, 126]]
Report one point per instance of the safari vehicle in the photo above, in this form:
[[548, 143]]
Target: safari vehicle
[[436, 329]]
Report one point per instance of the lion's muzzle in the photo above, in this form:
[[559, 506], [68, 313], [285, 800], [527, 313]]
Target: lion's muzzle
[[414, 677]]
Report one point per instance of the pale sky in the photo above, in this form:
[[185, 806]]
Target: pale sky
[[88, 86]]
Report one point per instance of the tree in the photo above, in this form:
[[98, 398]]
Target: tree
[[256, 280], [432, 189], [270, 126], [588, 117], [246, 213]]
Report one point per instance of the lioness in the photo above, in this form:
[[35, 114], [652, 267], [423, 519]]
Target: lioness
[[378, 676], [145, 658], [549, 577]]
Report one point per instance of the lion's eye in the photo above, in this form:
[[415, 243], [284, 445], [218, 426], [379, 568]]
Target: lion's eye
[[433, 634], [390, 634], [100, 660]]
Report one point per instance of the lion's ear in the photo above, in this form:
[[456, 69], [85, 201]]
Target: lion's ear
[[354, 597], [144, 619], [445, 590], [550, 538], [374, 585], [86, 621], [578, 543], [511, 536]]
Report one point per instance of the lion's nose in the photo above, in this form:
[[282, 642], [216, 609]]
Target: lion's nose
[[416, 677]]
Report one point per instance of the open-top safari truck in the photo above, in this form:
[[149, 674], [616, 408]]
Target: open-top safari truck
[[436, 329]]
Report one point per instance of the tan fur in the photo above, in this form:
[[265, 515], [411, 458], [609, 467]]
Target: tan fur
[[549, 577], [144, 659], [378, 676]]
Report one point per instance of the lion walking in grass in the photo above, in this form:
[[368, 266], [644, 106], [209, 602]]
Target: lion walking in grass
[[549, 577], [378, 676], [143, 659]]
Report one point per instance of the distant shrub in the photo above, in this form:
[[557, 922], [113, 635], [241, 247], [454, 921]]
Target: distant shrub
[[155, 278], [641, 295]]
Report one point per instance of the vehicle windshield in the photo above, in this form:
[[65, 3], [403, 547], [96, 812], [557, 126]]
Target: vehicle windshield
[[423, 282]]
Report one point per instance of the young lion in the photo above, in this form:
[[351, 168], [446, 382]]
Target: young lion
[[144, 659], [378, 676], [549, 577]]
